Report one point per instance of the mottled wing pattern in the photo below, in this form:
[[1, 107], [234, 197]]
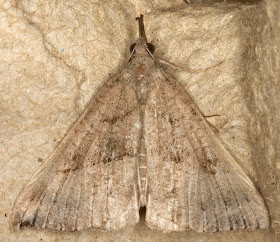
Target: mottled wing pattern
[[90, 181], [193, 182]]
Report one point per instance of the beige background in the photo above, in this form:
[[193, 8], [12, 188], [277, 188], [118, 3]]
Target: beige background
[[54, 55]]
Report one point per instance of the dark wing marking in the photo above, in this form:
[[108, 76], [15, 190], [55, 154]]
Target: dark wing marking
[[90, 180], [193, 182]]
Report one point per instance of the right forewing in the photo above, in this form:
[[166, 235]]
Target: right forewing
[[193, 182]]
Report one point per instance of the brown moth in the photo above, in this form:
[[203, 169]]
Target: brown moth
[[140, 142]]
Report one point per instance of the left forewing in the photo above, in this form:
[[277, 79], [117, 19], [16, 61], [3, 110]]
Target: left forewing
[[90, 180]]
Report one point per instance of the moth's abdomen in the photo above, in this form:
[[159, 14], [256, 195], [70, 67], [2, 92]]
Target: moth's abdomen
[[143, 87], [142, 171]]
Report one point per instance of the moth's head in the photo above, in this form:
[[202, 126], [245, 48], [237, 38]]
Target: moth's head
[[142, 41]]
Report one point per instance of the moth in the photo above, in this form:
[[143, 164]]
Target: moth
[[141, 142]]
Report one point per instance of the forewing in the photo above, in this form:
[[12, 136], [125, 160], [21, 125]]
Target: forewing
[[193, 182], [90, 180]]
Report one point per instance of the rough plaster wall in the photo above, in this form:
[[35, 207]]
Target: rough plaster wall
[[264, 105], [55, 55]]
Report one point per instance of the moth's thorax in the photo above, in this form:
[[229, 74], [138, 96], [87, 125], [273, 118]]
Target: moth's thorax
[[140, 71]]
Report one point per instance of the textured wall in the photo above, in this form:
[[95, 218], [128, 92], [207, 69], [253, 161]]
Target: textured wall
[[55, 55]]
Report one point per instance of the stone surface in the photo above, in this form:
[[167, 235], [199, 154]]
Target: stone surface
[[56, 55]]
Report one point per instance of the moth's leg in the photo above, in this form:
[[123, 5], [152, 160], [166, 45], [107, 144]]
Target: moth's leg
[[212, 126], [218, 121]]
